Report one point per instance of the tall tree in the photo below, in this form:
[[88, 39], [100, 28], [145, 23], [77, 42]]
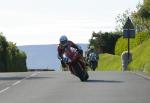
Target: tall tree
[[11, 58], [3, 52], [141, 17]]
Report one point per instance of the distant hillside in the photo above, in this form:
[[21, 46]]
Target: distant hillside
[[43, 56]]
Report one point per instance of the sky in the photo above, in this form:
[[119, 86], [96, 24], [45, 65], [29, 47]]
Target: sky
[[35, 22]]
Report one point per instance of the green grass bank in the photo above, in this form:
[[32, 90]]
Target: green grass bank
[[140, 61], [109, 62]]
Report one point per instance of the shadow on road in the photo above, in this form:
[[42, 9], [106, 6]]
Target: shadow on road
[[11, 78], [19, 78], [104, 81]]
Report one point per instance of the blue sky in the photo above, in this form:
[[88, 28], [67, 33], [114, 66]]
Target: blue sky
[[28, 22]]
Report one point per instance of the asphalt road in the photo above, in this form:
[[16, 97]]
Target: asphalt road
[[62, 87]]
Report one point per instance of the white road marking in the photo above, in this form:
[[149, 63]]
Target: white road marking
[[16, 83], [144, 76], [4, 90], [19, 82], [34, 74]]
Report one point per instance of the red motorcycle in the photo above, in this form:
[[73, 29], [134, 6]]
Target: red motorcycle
[[75, 63]]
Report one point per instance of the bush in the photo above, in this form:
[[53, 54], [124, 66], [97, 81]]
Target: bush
[[141, 37]]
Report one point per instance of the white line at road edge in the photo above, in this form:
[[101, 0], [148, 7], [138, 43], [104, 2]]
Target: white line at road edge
[[19, 82], [25, 78], [4, 90], [144, 76]]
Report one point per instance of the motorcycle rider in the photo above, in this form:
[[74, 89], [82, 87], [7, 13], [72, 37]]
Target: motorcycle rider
[[88, 56], [65, 43]]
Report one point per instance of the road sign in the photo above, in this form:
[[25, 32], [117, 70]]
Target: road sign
[[128, 29], [129, 33]]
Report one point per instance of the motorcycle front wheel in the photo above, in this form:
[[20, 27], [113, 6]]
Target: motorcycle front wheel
[[80, 72], [93, 65]]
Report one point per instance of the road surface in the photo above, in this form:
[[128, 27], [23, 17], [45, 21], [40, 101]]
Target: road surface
[[62, 87]]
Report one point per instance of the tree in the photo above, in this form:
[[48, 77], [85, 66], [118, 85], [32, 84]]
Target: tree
[[11, 58], [141, 17], [144, 13], [3, 52], [16, 58], [104, 42], [121, 19]]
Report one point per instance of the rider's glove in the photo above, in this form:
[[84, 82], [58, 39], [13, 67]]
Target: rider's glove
[[63, 64], [65, 60]]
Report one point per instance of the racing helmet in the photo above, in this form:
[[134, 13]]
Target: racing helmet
[[63, 40], [92, 47]]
